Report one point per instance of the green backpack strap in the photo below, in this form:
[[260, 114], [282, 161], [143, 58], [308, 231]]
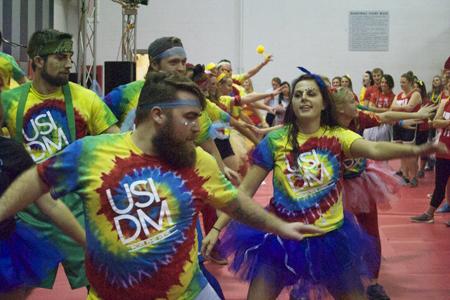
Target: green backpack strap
[[69, 112], [21, 108]]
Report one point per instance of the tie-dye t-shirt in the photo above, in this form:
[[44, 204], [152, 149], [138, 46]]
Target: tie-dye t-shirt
[[45, 125], [353, 167], [312, 191], [124, 99], [231, 105], [17, 72], [141, 215], [215, 113], [239, 79]]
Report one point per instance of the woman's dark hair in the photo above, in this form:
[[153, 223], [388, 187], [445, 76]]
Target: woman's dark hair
[[285, 83], [370, 77], [336, 77], [409, 76], [326, 116], [197, 72], [422, 88], [389, 80], [281, 95], [277, 80]]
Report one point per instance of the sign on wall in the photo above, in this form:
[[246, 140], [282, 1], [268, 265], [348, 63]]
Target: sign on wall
[[369, 30]]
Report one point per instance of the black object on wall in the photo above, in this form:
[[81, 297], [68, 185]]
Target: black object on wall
[[118, 73]]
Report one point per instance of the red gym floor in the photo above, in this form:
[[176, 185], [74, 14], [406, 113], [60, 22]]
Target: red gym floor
[[416, 257]]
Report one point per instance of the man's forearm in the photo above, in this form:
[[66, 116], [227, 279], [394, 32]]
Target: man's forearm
[[210, 147], [248, 212], [62, 217], [26, 189]]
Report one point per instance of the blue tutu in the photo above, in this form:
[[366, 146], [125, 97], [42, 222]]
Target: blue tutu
[[25, 258], [335, 262]]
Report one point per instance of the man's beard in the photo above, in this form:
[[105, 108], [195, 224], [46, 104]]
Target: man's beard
[[54, 80], [175, 153]]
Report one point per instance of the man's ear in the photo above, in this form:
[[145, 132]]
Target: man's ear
[[157, 115], [39, 61], [154, 65]]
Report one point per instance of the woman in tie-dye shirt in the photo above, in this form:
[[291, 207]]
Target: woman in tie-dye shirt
[[306, 157]]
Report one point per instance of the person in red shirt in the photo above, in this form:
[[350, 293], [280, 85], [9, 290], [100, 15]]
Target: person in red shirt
[[442, 170], [368, 185], [346, 82], [408, 100], [366, 82], [445, 96], [423, 130], [377, 74], [379, 103], [435, 97], [336, 82]]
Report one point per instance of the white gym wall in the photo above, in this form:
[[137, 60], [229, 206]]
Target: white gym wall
[[309, 33]]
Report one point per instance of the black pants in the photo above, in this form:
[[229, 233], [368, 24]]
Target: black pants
[[440, 181], [269, 119]]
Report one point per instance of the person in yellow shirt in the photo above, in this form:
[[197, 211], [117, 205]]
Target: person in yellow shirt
[[5, 74], [224, 65], [306, 156], [18, 75], [142, 191], [46, 115]]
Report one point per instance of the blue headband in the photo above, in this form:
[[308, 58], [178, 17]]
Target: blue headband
[[173, 104], [174, 51], [316, 77]]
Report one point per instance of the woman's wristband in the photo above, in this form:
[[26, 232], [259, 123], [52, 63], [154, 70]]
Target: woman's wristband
[[216, 228]]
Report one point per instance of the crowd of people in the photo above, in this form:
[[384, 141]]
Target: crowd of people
[[113, 188]]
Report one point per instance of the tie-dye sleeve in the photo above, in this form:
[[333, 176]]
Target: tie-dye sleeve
[[347, 137], [239, 78], [220, 191], [102, 117], [124, 98], [263, 154], [204, 123], [113, 100], [61, 171], [215, 113], [18, 73]]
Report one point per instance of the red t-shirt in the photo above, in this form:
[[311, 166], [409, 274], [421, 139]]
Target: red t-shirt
[[402, 99], [424, 126], [445, 133], [381, 100], [443, 96], [364, 120], [372, 91]]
